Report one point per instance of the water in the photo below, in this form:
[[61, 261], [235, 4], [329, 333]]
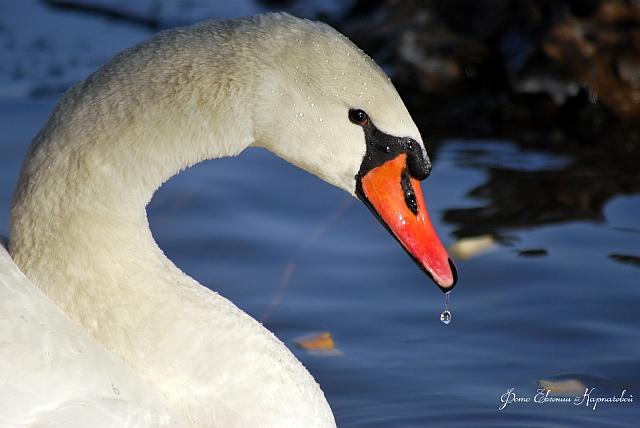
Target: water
[[553, 298], [304, 257], [445, 316]]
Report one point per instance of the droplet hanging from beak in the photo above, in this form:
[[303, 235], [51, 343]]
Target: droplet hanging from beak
[[445, 316]]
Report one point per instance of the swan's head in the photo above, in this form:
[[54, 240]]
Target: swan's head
[[328, 108]]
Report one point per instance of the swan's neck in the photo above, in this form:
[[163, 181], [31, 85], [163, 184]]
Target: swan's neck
[[79, 226]]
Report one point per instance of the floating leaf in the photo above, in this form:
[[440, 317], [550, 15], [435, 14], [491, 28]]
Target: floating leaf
[[318, 344], [564, 386], [314, 341], [467, 248]]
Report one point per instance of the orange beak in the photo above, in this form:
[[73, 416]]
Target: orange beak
[[396, 199]]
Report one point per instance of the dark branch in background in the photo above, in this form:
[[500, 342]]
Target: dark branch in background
[[500, 66], [105, 11]]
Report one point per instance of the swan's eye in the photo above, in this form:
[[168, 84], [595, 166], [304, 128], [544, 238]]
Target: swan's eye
[[359, 117]]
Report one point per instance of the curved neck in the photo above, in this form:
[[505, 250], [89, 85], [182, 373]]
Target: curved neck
[[78, 222], [79, 228]]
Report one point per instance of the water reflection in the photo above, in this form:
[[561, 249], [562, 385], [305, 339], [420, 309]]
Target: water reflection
[[626, 258], [545, 186]]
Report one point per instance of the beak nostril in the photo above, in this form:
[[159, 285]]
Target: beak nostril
[[410, 199], [409, 192]]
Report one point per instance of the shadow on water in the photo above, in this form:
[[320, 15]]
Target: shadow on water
[[584, 180]]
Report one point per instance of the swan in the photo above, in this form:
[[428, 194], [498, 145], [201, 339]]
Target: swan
[[98, 325]]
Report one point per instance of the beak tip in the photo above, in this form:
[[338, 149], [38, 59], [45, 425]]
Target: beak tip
[[446, 285]]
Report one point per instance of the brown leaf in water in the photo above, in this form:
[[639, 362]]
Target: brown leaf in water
[[316, 341], [566, 387], [466, 248]]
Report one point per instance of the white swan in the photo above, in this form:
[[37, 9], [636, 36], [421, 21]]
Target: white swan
[[162, 350]]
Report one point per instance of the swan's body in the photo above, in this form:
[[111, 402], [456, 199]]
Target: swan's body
[[79, 229], [52, 374]]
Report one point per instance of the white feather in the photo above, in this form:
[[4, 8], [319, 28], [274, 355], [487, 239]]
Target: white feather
[[52, 372]]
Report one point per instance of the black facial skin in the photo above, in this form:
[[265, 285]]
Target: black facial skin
[[381, 148]]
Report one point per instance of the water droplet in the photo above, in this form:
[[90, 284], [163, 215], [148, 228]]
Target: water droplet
[[445, 316], [301, 114], [313, 105], [282, 94]]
